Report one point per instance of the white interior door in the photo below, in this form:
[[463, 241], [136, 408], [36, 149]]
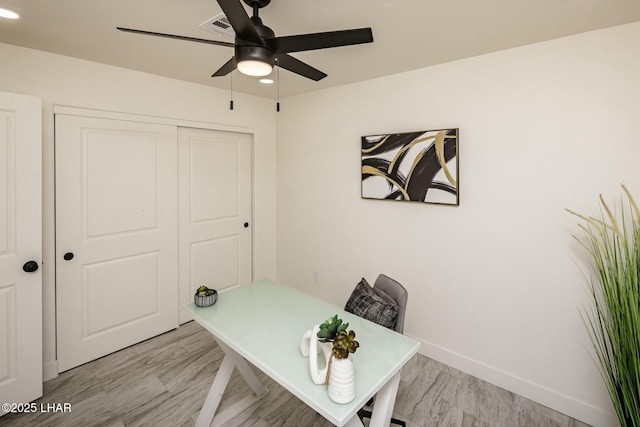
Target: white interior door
[[20, 243], [116, 235], [214, 210]]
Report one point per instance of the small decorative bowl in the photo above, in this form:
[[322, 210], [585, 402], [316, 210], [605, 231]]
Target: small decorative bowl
[[205, 301]]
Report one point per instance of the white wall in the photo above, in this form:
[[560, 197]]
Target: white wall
[[61, 80], [494, 287]]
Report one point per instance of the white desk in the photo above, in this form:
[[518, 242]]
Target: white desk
[[263, 322]]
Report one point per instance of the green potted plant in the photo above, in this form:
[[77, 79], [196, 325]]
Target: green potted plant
[[329, 329], [341, 376], [344, 344], [318, 341], [204, 297], [612, 242]]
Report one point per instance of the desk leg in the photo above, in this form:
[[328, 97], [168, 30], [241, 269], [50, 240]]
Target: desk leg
[[215, 393], [385, 401], [245, 370], [354, 422], [231, 360]]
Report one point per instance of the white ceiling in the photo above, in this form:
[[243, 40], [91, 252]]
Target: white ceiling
[[408, 34]]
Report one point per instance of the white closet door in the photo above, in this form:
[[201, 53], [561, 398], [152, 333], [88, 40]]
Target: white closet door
[[20, 249], [116, 235], [215, 210]]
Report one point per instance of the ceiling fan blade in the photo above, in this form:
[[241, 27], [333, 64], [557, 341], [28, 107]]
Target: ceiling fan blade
[[228, 67], [173, 36], [237, 16], [314, 41], [294, 65]]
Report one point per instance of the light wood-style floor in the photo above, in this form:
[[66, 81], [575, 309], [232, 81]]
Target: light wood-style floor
[[163, 382]]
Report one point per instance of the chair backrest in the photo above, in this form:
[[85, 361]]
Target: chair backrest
[[394, 290]]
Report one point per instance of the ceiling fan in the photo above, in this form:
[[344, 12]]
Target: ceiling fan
[[258, 50]]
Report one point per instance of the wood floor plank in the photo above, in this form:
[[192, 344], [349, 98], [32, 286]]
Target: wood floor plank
[[164, 381]]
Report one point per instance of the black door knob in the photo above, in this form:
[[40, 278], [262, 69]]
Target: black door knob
[[246, 225], [68, 256], [30, 266]]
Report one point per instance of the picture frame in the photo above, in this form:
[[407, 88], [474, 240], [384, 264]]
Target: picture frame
[[419, 166]]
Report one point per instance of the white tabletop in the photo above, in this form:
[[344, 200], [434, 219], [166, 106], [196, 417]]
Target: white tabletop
[[264, 323]]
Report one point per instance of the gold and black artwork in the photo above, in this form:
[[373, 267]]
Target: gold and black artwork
[[413, 166]]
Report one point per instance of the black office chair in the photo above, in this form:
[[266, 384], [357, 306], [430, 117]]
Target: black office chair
[[392, 292]]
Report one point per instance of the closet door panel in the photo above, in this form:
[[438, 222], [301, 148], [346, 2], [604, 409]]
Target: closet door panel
[[116, 235], [215, 210]]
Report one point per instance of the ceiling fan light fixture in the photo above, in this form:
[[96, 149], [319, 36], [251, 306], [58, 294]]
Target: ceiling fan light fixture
[[255, 68], [255, 61], [6, 13]]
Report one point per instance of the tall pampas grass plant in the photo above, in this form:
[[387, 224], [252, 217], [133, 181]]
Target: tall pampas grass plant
[[613, 317]]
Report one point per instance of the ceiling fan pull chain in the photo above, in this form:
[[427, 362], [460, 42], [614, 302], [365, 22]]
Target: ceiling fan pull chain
[[231, 95], [278, 87]]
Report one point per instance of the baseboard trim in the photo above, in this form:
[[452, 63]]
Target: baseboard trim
[[553, 399]]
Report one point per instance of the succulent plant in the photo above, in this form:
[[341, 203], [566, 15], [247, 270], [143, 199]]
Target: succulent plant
[[203, 291], [344, 344], [330, 328]]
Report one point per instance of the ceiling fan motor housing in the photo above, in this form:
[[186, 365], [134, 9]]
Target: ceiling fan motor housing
[[254, 53], [259, 3], [249, 51]]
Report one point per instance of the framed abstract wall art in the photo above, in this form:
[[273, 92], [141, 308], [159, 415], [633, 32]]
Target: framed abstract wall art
[[417, 166]]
